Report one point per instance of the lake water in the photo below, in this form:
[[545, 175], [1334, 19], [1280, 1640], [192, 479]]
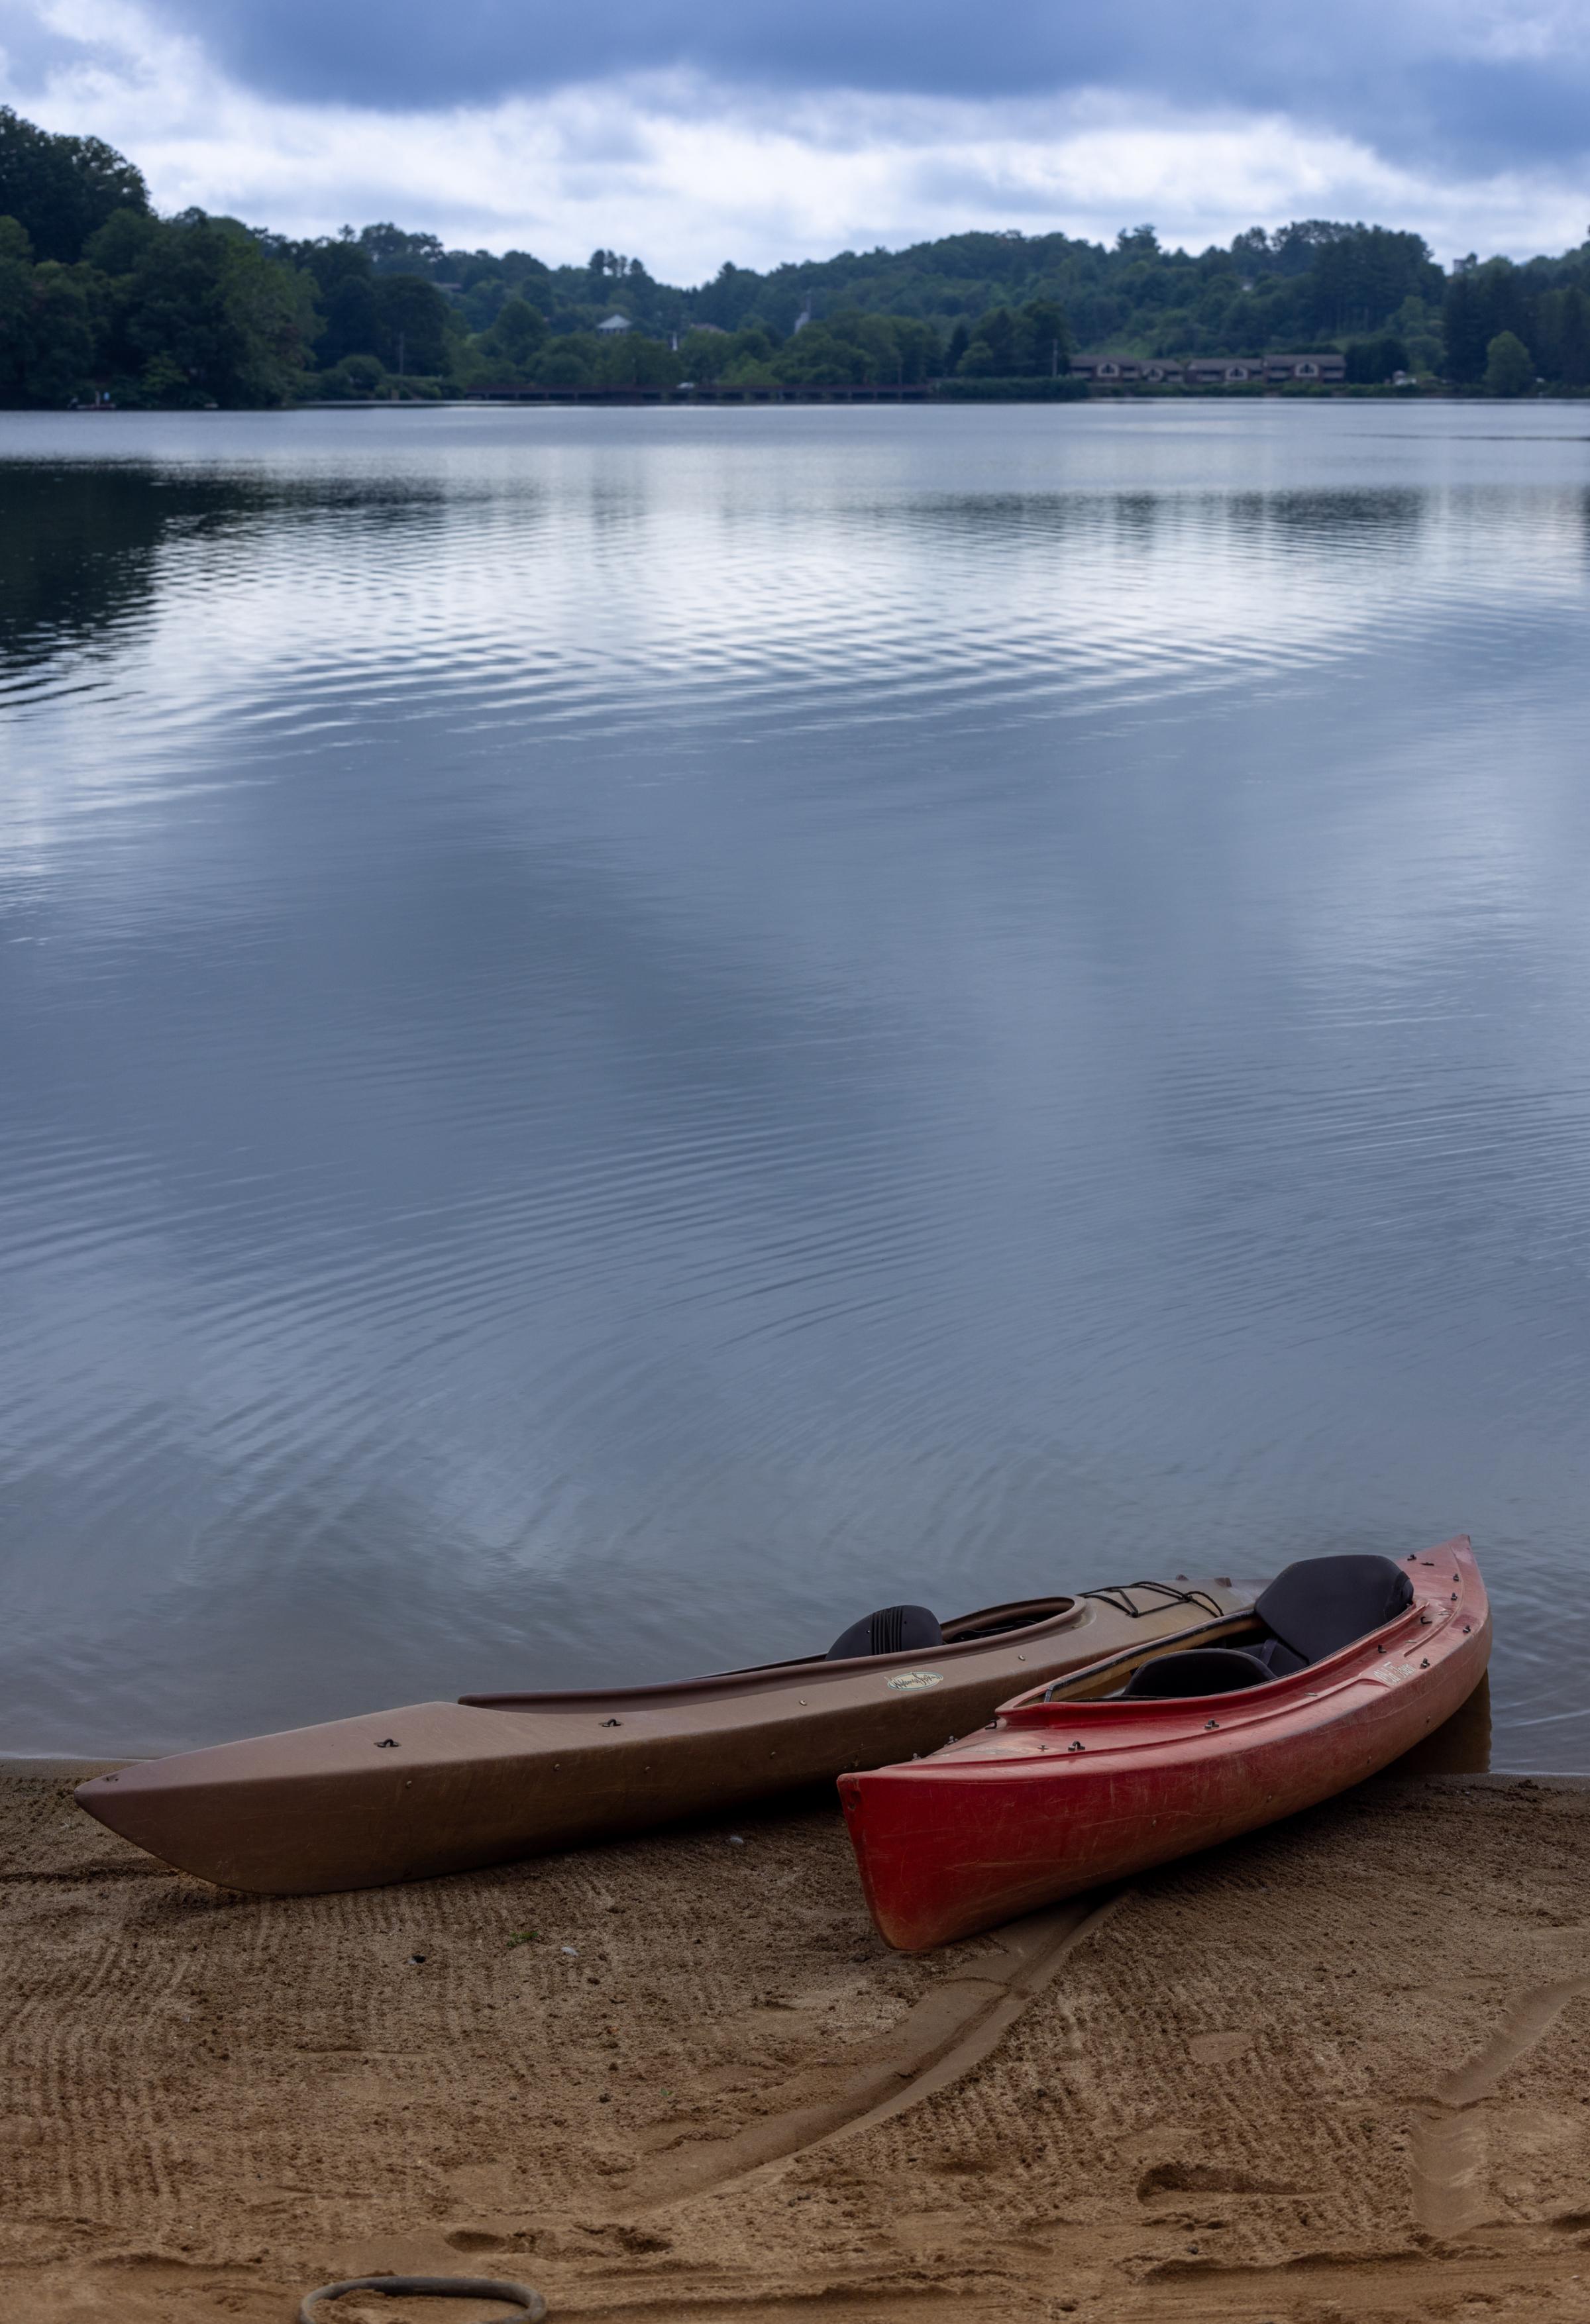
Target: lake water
[[624, 1034]]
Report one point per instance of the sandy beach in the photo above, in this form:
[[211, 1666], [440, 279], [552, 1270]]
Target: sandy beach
[[1339, 2071]]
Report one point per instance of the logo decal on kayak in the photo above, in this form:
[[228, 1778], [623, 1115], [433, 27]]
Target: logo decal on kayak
[[913, 1681], [1394, 1672]]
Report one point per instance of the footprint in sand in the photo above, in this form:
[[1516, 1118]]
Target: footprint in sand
[[1219, 2049], [1448, 2153], [1206, 2178]]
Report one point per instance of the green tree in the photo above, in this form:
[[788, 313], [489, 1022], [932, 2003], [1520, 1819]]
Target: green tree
[[1360, 275], [703, 355], [411, 320], [992, 354], [343, 272], [1562, 335], [1371, 361], [1510, 369], [46, 325], [916, 349], [1419, 326], [17, 305], [63, 190], [562, 363], [272, 309], [1481, 303], [1573, 339], [121, 242], [856, 347], [820, 356], [60, 359], [204, 316], [1046, 349], [708, 356], [1031, 342], [749, 371], [392, 251], [352, 324], [518, 331], [16, 271], [356, 376], [505, 353], [727, 299], [1463, 328], [631, 359]]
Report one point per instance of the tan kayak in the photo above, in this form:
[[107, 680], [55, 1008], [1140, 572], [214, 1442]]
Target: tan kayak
[[448, 1786]]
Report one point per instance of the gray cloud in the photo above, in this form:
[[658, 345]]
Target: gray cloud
[[33, 49], [1471, 84]]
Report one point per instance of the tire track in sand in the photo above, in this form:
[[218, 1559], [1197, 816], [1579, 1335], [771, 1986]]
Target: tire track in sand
[[938, 2041]]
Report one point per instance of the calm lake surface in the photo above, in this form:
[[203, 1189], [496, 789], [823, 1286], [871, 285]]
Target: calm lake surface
[[625, 1034]]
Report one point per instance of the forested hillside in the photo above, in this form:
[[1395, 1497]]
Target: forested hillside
[[101, 298]]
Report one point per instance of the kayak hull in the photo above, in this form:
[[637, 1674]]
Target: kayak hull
[[440, 1787], [1061, 1796]]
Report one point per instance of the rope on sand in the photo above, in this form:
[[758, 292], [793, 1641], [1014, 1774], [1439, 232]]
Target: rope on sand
[[518, 2296]]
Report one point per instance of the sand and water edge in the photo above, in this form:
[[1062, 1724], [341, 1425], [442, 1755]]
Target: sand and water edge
[[1338, 2070]]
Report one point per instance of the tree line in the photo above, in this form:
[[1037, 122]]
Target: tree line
[[102, 298]]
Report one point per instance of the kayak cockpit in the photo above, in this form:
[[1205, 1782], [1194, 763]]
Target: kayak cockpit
[[893, 1633], [914, 1630], [1312, 1609], [1196, 1671]]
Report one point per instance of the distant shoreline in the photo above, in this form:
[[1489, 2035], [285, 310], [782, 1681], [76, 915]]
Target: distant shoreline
[[652, 399]]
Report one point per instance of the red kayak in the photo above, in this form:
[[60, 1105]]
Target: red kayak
[[1344, 1663]]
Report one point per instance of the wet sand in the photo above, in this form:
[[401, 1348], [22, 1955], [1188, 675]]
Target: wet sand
[[1338, 2071]]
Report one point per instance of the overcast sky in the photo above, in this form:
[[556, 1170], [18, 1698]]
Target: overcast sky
[[690, 130]]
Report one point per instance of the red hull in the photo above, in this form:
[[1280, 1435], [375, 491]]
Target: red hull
[[1061, 1796]]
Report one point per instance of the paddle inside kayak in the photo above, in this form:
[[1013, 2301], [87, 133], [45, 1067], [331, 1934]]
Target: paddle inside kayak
[[448, 1786], [1168, 1747]]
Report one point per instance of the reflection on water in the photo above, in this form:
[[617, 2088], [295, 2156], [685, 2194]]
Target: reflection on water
[[625, 1034], [77, 558], [1462, 1747]]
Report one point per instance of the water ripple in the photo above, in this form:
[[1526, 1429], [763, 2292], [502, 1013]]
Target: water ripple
[[628, 1032]]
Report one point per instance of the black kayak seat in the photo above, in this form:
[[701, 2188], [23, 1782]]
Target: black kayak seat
[[1279, 1660], [1323, 1603], [891, 1630], [1200, 1670], [1311, 1609]]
